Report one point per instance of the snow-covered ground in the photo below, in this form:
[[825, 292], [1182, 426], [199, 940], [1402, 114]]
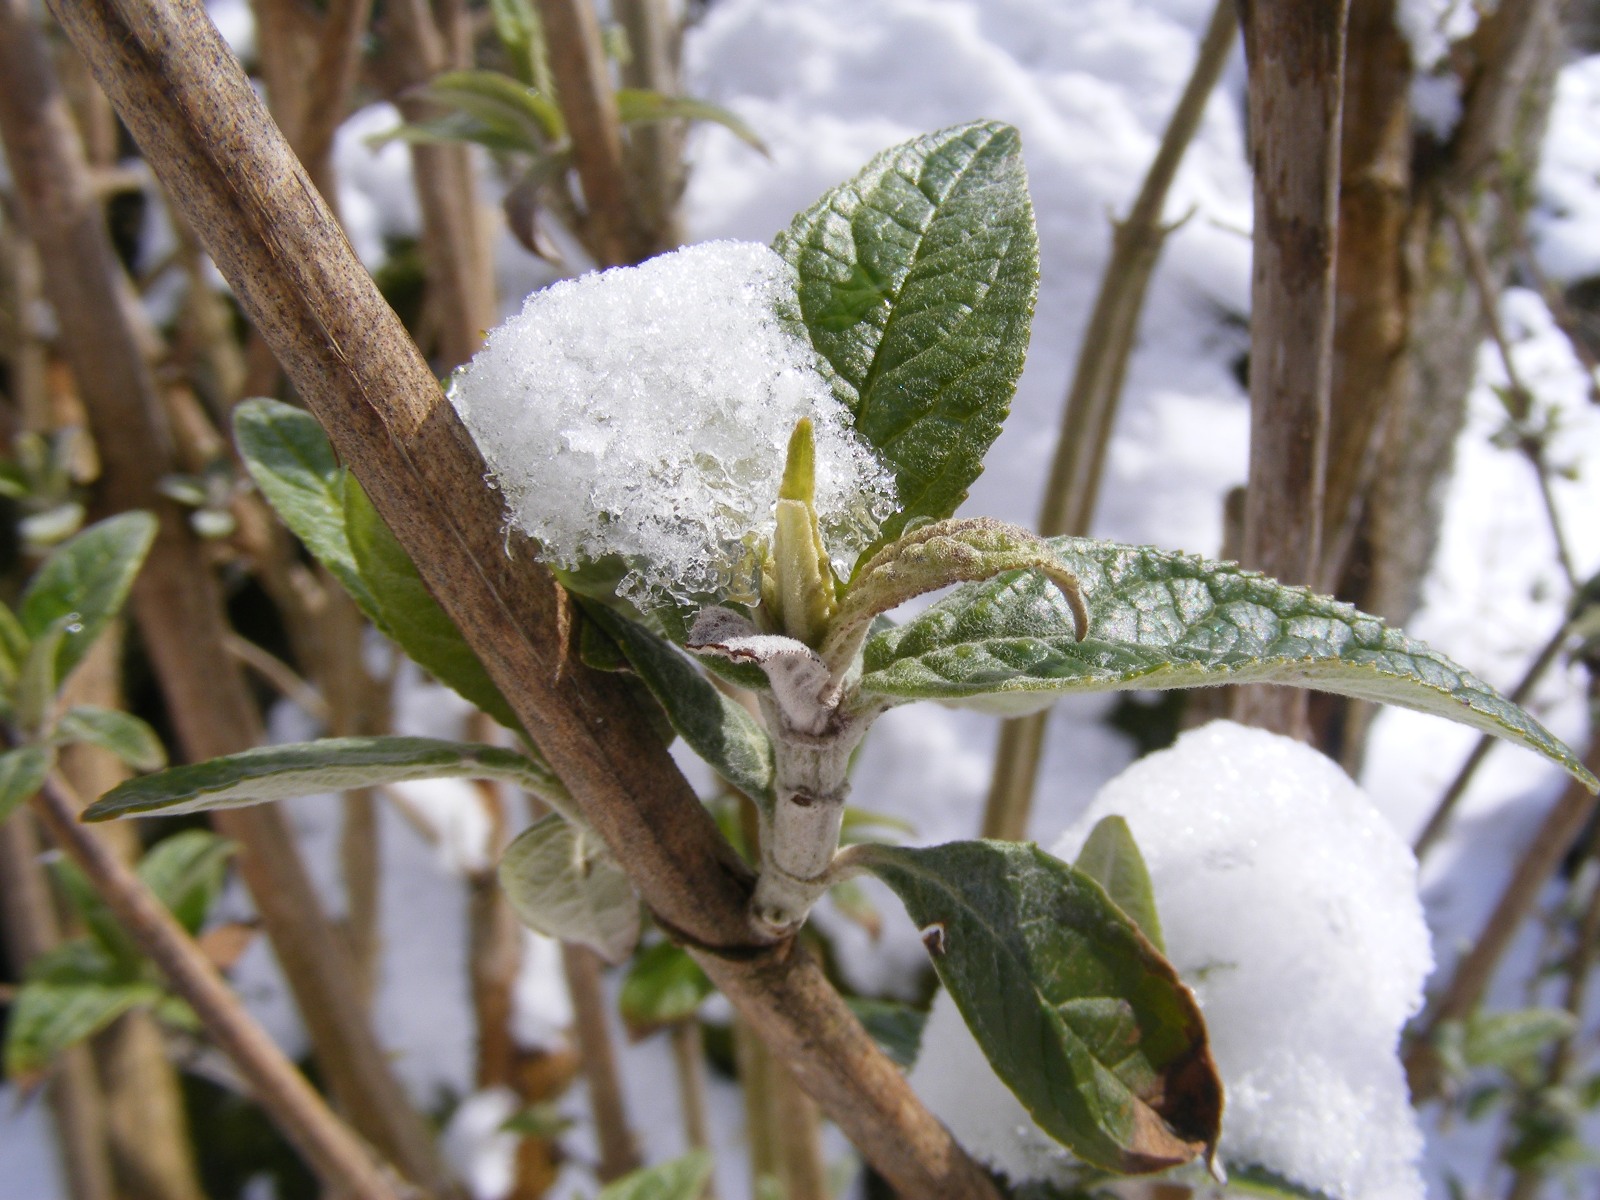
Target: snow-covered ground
[[828, 83]]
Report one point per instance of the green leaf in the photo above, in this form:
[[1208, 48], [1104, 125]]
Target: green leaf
[[456, 129], [123, 734], [87, 579], [717, 728], [681, 1179], [501, 103], [124, 958], [13, 646], [292, 462], [1512, 1039], [1163, 620], [636, 105], [70, 994], [917, 283], [936, 556], [185, 872], [294, 466], [896, 1027], [34, 698], [663, 986], [22, 773], [310, 768], [563, 883], [1111, 858], [409, 614], [1076, 1011]]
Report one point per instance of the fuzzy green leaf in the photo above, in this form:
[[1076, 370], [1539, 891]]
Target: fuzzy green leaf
[[1076, 1011], [896, 1027], [123, 734], [499, 102], [1111, 858], [1163, 620], [409, 614], [563, 883], [13, 646], [663, 985], [637, 105], [714, 726], [22, 773], [70, 994], [310, 768], [185, 872], [87, 579], [917, 283], [680, 1179], [292, 462]]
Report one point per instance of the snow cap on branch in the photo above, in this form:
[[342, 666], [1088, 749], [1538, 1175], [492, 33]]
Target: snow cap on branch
[[644, 412]]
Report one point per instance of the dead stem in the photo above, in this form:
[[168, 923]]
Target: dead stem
[[77, 1108], [689, 1062], [619, 1151], [1470, 979], [588, 102], [340, 1160], [1519, 400]]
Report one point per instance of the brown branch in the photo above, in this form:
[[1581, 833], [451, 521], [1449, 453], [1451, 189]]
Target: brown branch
[[654, 153], [1295, 50], [455, 246], [176, 599], [203, 130], [340, 1160], [619, 1150], [1091, 408], [589, 104], [1458, 786], [31, 926], [1472, 975]]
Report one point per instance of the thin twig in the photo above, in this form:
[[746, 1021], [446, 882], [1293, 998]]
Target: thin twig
[[31, 926], [204, 131], [619, 1150], [1520, 407], [1470, 980], [689, 1061], [340, 1160], [1458, 786], [1092, 400], [654, 153], [280, 675], [589, 104]]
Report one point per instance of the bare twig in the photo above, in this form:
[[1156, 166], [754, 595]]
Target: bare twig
[[589, 104], [1470, 981], [1295, 52], [619, 1151], [338, 1157], [455, 244], [1091, 407], [1520, 407], [280, 675], [203, 129], [689, 1061], [1452, 795], [77, 1108], [654, 151]]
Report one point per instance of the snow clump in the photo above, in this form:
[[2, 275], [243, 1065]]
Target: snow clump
[[1290, 907], [643, 413]]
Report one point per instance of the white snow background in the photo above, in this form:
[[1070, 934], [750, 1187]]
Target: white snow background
[[827, 84]]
